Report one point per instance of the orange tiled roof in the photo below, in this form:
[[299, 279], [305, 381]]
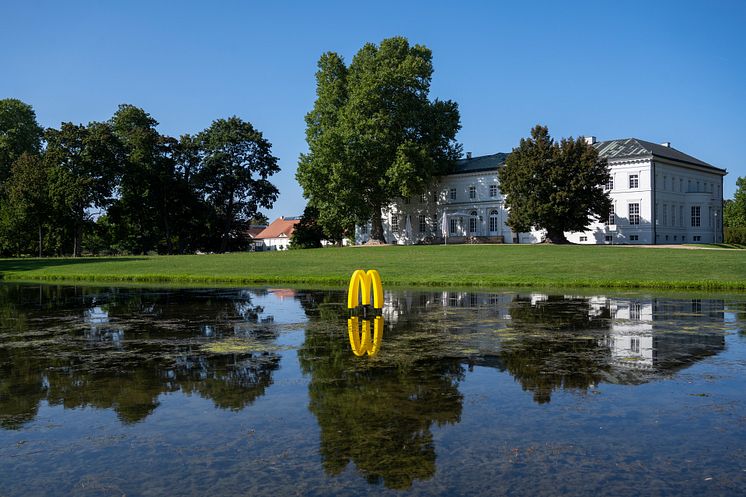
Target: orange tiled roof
[[280, 228]]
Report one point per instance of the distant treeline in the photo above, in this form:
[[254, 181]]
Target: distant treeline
[[121, 187]]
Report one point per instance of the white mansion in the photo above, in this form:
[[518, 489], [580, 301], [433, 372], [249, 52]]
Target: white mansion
[[659, 195]]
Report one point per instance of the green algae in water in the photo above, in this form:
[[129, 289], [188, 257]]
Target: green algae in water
[[238, 345]]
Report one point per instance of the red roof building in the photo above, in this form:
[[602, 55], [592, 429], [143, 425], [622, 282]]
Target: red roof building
[[277, 235]]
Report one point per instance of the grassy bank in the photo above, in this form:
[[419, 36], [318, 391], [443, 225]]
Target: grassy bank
[[462, 265]]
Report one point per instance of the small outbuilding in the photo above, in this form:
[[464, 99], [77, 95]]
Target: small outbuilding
[[277, 235]]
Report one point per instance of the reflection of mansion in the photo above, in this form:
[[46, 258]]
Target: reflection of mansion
[[639, 334], [659, 195]]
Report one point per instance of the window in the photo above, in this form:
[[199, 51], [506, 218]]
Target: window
[[666, 237], [675, 237], [673, 215], [453, 194], [610, 183], [665, 214], [583, 238], [634, 181], [697, 186], [634, 213], [473, 222], [696, 217], [395, 223], [493, 221], [634, 344], [689, 185], [454, 226], [634, 238], [681, 184], [423, 226], [493, 190], [696, 306], [364, 229], [472, 192], [697, 238], [681, 216], [683, 238], [665, 182], [634, 313], [612, 217]]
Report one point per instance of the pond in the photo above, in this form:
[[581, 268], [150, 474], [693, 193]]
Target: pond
[[261, 391]]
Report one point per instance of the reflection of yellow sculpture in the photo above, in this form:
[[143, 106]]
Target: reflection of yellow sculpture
[[362, 280], [363, 344]]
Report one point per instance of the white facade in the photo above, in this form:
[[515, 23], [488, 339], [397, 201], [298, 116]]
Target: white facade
[[656, 199]]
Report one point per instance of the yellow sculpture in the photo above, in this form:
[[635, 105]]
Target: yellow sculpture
[[362, 345], [365, 289], [359, 292]]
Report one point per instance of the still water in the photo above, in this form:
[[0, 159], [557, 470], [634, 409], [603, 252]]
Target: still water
[[139, 391]]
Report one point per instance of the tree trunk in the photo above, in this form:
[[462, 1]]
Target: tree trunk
[[39, 240], [556, 237], [227, 228], [376, 221]]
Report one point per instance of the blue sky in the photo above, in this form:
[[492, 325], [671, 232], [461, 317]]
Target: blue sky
[[660, 71]]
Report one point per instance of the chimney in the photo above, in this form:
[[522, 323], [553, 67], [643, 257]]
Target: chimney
[[666, 144], [468, 155], [590, 140]]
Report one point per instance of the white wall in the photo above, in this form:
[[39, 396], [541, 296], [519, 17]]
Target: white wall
[[668, 183]]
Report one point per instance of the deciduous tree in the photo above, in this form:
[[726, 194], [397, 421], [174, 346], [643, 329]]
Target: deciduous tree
[[374, 134], [83, 165], [237, 162], [557, 187], [19, 133]]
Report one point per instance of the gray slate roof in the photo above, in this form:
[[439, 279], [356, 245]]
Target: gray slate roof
[[481, 163], [635, 148], [632, 148]]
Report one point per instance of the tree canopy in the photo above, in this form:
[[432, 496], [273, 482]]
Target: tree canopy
[[19, 133], [557, 187], [121, 186], [374, 134], [735, 209]]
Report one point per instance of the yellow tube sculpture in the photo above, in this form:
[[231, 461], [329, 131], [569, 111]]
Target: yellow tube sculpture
[[362, 345], [359, 292]]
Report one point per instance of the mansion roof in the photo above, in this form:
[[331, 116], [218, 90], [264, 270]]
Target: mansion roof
[[634, 148], [481, 163], [629, 148]]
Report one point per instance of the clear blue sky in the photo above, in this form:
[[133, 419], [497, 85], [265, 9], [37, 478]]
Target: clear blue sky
[[660, 71]]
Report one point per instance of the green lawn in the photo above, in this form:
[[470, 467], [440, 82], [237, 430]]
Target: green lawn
[[456, 265]]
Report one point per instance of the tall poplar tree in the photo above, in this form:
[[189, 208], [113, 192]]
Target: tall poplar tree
[[556, 187], [374, 134]]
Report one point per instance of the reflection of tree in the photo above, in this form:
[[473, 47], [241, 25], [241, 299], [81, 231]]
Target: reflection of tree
[[378, 417], [158, 353], [232, 381], [549, 349]]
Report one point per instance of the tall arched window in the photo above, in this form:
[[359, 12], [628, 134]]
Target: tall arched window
[[493, 221], [473, 223]]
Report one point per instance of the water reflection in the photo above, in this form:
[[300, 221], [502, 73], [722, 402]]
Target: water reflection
[[360, 340], [121, 349], [377, 416]]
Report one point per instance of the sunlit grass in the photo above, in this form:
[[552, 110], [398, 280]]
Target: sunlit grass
[[456, 265]]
